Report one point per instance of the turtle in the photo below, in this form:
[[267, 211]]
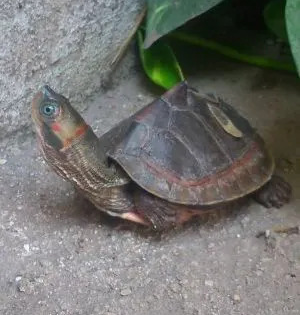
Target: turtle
[[183, 154]]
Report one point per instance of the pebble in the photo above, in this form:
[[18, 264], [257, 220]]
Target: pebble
[[25, 286], [175, 287], [125, 292], [245, 221], [209, 283], [140, 97], [19, 278], [2, 161], [236, 298]]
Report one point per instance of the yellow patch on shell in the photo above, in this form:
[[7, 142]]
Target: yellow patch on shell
[[224, 121]]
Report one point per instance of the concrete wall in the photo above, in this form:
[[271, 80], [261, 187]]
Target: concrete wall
[[65, 43]]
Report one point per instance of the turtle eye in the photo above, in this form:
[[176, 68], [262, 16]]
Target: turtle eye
[[49, 110]]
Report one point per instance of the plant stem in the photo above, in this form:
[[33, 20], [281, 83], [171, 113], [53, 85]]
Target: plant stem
[[233, 53], [128, 39]]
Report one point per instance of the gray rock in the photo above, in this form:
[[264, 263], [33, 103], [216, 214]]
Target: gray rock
[[65, 43]]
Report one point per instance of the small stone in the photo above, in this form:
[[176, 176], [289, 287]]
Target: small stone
[[2, 161], [26, 247], [140, 97], [21, 288], [245, 221], [18, 278], [209, 283], [25, 285], [125, 292], [236, 298], [174, 287], [45, 263]]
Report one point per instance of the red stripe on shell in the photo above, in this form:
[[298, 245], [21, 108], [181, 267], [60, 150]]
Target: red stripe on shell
[[173, 178]]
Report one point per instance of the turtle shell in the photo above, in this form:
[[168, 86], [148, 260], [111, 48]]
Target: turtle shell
[[191, 149]]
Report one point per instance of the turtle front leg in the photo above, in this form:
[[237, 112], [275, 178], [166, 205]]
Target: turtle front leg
[[274, 193]]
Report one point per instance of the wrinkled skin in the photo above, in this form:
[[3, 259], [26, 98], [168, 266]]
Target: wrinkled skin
[[98, 169]]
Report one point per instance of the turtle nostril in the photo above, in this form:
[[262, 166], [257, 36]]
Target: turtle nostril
[[47, 91]]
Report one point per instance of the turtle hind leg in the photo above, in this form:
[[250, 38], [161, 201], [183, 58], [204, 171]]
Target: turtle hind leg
[[155, 210], [162, 214], [275, 193]]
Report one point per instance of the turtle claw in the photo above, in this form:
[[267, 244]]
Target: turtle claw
[[275, 193], [134, 217]]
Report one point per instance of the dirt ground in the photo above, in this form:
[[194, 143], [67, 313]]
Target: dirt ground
[[59, 255]]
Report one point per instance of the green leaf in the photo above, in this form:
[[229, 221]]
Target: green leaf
[[274, 18], [292, 16], [164, 16], [160, 63]]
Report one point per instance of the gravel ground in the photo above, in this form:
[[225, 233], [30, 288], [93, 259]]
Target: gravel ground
[[59, 255]]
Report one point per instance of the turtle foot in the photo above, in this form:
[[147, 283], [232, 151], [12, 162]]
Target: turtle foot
[[275, 193], [134, 217]]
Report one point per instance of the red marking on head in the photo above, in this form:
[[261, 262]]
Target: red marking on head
[[56, 127], [80, 131]]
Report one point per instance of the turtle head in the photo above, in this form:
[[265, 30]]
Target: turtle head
[[57, 123]]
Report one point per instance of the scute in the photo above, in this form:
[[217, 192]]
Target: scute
[[177, 149]]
